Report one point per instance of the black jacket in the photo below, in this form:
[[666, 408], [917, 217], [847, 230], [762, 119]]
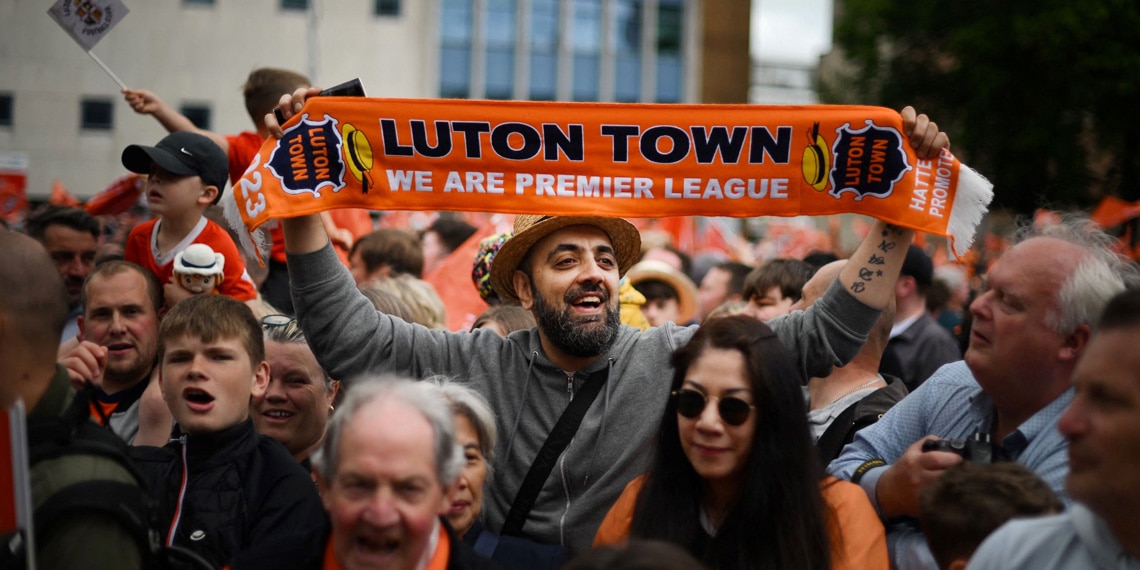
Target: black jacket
[[858, 416], [245, 499], [514, 551]]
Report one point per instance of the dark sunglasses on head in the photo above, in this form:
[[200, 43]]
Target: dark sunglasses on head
[[733, 410]]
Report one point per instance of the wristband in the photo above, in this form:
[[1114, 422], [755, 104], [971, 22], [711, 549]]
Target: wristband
[[865, 467]]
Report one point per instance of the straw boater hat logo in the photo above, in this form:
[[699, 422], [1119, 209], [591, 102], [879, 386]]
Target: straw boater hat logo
[[530, 229], [199, 259]]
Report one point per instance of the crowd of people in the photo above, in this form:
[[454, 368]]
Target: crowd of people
[[613, 408]]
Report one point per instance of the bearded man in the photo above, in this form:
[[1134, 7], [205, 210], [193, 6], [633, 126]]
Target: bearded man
[[118, 343], [566, 271]]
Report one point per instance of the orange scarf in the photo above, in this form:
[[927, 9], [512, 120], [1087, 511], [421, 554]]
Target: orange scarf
[[622, 160]]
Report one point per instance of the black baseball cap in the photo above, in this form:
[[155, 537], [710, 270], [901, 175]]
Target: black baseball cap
[[182, 153], [918, 265]]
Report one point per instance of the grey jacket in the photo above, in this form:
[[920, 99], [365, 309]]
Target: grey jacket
[[528, 392]]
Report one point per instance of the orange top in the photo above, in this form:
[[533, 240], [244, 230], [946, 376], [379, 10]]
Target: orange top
[[438, 559], [858, 540]]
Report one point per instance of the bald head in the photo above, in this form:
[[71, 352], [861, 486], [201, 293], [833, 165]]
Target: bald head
[[34, 303], [33, 308], [817, 286]]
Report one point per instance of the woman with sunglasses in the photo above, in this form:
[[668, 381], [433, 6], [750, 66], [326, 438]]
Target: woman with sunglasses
[[735, 479], [295, 407]]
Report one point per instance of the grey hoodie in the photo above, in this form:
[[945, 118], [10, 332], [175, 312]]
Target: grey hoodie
[[528, 392]]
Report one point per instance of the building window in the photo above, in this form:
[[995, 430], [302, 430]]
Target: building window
[[579, 50], [544, 36], [96, 114], [200, 2], [627, 50], [5, 109], [500, 26], [387, 7], [670, 29], [455, 55], [294, 4], [199, 114], [587, 49]]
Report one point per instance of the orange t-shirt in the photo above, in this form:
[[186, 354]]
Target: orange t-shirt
[[858, 540], [236, 282]]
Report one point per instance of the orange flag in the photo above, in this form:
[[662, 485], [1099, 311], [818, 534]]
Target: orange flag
[[452, 279], [118, 196], [60, 196], [627, 160]]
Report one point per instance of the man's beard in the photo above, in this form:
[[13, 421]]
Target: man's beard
[[123, 375], [571, 337]]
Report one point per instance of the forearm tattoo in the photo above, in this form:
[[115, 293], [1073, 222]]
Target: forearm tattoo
[[890, 239]]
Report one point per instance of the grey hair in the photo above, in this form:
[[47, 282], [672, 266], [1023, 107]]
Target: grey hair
[[1100, 275], [473, 406], [291, 333], [422, 396]]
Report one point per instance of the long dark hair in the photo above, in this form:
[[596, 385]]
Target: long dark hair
[[780, 520]]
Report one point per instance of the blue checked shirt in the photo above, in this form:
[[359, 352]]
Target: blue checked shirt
[[950, 404]]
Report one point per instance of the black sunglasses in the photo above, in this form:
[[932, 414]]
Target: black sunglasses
[[733, 410]]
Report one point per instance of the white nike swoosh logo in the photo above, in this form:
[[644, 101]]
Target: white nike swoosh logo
[[186, 152]]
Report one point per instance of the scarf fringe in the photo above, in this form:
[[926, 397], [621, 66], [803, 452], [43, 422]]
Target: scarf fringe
[[252, 245], [971, 201]]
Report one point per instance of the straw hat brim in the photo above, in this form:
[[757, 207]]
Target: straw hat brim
[[529, 230], [686, 290]]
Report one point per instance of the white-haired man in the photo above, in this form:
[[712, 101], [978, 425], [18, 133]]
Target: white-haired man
[[1102, 426], [387, 464], [1030, 327]]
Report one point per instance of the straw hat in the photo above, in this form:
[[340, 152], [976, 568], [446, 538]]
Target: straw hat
[[652, 269], [529, 229]]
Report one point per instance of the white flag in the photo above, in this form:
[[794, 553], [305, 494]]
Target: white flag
[[87, 21]]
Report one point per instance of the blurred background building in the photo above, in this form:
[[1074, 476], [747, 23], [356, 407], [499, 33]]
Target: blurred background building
[[64, 119]]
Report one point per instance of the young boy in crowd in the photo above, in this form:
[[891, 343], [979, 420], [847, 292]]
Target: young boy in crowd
[[228, 494], [261, 92], [971, 500], [670, 296], [186, 173]]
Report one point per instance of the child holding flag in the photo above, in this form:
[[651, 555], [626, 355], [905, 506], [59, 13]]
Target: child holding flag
[[186, 174]]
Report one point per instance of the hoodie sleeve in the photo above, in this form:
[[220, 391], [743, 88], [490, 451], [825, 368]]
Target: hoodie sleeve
[[828, 334]]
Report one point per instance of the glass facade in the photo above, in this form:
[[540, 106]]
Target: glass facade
[[501, 36], [670, 19], [627, 49], [580, 50], [545, 34], [455, 52]]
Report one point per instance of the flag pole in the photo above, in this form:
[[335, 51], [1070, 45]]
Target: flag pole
[[107, 69]]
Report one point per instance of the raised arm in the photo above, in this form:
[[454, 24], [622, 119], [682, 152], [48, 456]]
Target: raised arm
[[875, 265], [146, 103], [304, 234]]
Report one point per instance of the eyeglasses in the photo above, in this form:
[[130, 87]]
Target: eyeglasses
[[733, 410], [273, 321]]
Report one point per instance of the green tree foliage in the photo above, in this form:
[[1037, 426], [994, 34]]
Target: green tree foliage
[[1041, 97]]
